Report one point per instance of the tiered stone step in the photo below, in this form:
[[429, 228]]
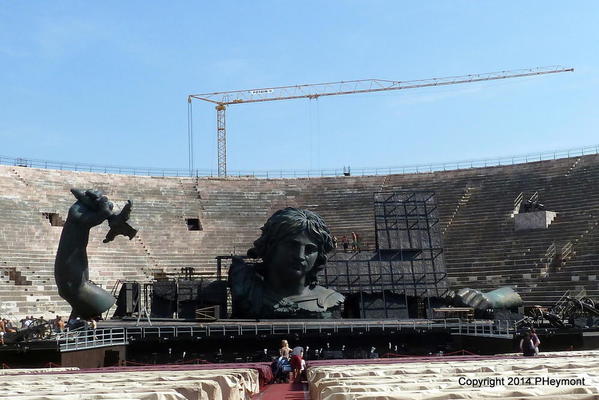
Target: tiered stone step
[[475, 209]]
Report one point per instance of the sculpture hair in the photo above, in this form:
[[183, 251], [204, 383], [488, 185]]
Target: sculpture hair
[[292, 221]]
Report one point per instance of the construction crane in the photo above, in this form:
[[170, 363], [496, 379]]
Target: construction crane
[[314, 91]]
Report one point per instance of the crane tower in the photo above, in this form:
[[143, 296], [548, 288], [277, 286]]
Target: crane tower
[[314, 91]]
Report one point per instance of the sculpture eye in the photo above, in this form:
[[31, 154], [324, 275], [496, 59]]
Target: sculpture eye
[[310, 249]]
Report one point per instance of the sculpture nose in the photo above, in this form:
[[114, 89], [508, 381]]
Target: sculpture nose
[[300, 253]]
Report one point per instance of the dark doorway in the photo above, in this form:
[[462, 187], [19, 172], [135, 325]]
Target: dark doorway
[[193, 224], [54, 218]]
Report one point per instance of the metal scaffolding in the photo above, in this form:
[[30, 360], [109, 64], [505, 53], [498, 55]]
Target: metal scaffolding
[[408, 260], [221, 139]]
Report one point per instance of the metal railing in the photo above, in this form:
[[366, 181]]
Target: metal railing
[[550, 253], [454, 325], [517, 202], [303, 173], [104, 337], [567, 250], [498, 328], [91, 338]]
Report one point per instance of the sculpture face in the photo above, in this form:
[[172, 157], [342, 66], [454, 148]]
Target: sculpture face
[[289, 262], [293, 248]]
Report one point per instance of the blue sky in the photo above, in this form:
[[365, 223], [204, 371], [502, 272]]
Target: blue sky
[[107, 82]]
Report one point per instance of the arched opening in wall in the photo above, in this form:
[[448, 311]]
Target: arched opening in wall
[[193, 224], [54, 218]]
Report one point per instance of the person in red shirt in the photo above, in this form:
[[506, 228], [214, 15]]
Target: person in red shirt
[[297, 363]]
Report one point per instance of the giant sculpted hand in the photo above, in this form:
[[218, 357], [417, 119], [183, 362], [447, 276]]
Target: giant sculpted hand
[[91, 209], [71, 266], [504, 297]]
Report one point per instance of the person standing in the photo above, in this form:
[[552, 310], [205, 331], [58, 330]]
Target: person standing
[[526, 345], [281, 367], [8, 326], [92, 325], [297, 362], [60, 325], [285, 350], [535, 341], [344, 243], [2, 331]]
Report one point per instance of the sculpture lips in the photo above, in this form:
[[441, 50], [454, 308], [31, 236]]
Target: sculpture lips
[[297, 267]]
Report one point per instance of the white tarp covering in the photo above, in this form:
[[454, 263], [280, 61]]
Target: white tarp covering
[[573, 375], [20, 371], [225, 384]]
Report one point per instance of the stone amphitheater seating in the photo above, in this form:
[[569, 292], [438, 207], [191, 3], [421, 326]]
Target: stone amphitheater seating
[[475, 207]]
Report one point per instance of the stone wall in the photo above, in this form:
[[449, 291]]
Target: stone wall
[[482, 249]]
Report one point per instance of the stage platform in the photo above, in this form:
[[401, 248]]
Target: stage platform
[[173, 341]]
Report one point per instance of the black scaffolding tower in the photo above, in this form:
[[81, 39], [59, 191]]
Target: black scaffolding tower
[[407, 268]]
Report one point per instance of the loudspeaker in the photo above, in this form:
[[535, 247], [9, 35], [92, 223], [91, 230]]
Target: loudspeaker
[[193, 295], [128, 300], [164, 299], [214, 294], [188, 298], [185, 297]]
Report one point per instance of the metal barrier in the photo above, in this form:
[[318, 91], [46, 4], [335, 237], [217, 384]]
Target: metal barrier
[[91, 338], [503, 329], [454, 325], [305, 173], [103, 337]]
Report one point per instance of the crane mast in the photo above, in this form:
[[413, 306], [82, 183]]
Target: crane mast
[[314, 91]]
